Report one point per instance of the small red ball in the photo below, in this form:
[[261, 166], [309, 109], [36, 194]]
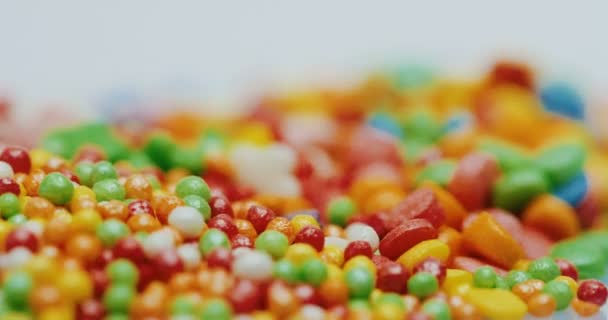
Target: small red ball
[[140, 207], [101, 281], [147, 274], [312, 236], [592, 291], [307, 294], [129, 248], [434, 267], [90, 309], [567, 268], [17, 158], [259, 217], [240, 240], [392, 277], [106, 256], [21, 237], [358, 248], [220, 205], [9, 185], [220, 258], [224, 223], [246, 296], [167, 263]]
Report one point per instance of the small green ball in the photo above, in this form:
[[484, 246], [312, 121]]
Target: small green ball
[[515, 277], [501, 283], [17, 219], [544, 269], [390, 298], [438, 309], [103, 170], [122, 271], [199, 204], [313, 271], [285, 270], [193, 185], [56, 188], [273, 242], [484, 277], [84, 172], [360, 282], [109, 189], [118, 298], [560, 291], [182, 306], [212, 239], [17, 288], [340, 210], [110, 231], [422, 284], [9, 205], [216, 309]]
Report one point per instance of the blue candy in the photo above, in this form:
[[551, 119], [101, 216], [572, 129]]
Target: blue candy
[[457, 122], [563, 99], [385, 123], [574, 191]]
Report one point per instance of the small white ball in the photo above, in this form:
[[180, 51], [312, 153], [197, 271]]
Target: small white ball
[[190, 255], [17, 257], [336, 242], [187, 220], [6, 171], [35, 227], [360, 231], [237, 252], [157, 242], [312, 312], [254, 265]]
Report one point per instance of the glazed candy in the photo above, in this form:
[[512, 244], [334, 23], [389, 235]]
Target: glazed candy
[[408, 196]]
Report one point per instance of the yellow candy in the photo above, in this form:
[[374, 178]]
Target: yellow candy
[[521, 264], [255, 133], [332, 255], [75, 285], [375, 295], [39, 157], [300, 221], [15, 316], [263, 315], [497, 304], [430, 248], [56, 313], [388, 312], [360, 261], [457, 281], [334, 272], [42, 269], [5, 228], [86, 220], [83, 191], [569, 281], [300, 252]]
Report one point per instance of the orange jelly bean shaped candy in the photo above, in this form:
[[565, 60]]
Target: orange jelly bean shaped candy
[[452, 238], [541, 305], [552, 216], [584, 309], [138, 187]]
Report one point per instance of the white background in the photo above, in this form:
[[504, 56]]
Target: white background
[[75, 52]]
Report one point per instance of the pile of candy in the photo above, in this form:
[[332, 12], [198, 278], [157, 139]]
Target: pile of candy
[[407, 197]]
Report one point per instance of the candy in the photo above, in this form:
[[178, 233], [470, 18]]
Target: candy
[[496, 304], [405, 236], [592, 291], [484, 277], [423, 250], [422, 284], [422, 204], [552, 216], [273, 242], [560, 291]]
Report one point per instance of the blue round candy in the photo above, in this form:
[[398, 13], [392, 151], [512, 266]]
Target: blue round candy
[[563, 99], [457, 122], [385, 123], [573, 191]]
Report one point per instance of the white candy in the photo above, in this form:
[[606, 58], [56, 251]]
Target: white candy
[[360, 231], [312, 312], [188, 221], [237, 252], [16, 258], [336, 242], [253, 265], [34, 227], [158, 241], [6, 171], [190, 255]]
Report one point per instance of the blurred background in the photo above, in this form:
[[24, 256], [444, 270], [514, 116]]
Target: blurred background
[[82, 60]]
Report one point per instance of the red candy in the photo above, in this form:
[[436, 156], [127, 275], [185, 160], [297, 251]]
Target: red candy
[[167, 263], [307, 294], [392, 277], [9, 185], [21, 237], [472, 181], [434, 267], [101, 281], [220, 205], [224, 223], [246, 296], [259, 217], [240, 240], [129, 248], [220, 258], [90, 309], [376, 221], [312, 236], [421, 204], [17, 158], [592, 291], [358, 248], [405, 236], [567, 268]]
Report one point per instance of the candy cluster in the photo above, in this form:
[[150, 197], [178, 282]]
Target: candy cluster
[[406, 197]]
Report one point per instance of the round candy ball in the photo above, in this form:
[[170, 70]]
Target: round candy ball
[[544, 269], [110, 231], [118, 298], [56, 188], [438, 309], [199, 204], [122, 271], [273, 242], [422, 284], [340, 210], [484, 277], [360, 231], [515, 277], [109, 189], [560, 291], [360, 282], [18, 158], [188, 221], [17, 287], [313, 271], [193, 185], [216, 309], [212, 239], [103, 170], [253, 265], [84, 172], [9, 205], [286, 271], [592, 291]]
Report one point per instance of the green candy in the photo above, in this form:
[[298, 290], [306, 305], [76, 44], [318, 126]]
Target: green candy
[[340, 209], [122, 271], [16, 289], [560, 291], [587, 256], [193, 185], [422, 284], [159, 148], [139, 159], [216, 309], [182, 306], [189, 159], [9, 205], [516, 189], [116, 316], [84, 172], [285, 270], [118, 298], [199, 204], [562, 162], [212, 239], [359, 304], [110, 231], [360, 283], [56, 188], [313, 271], [109, 189], [273, 242], [439, 172], [484, 277], [422, 125], [390, 298], [438, 309], [515, 277], [509, 157], [413, 148], [103, 170], [17, 219], [544, 269], [501, 283]]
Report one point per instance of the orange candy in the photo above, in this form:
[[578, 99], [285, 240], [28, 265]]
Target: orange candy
[[552, 216], [584, 309], [215, 282], [526, 290], [143, 222], [82, 203], [32, 182], [487, 238], [282, 225], [541, 305], [454, 211], [240, 208], [113, 209], [45, 296], [83, 246], [57, 230], [246, 228], [452, 238], [332, 230], [163, 206], [138, 187], [182, 282], [333, 292], [37, 207]]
